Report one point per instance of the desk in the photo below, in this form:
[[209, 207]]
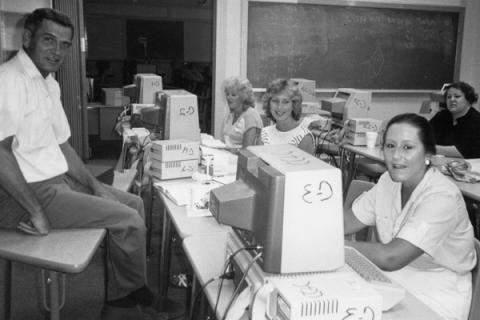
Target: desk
[[185, 227], [207, 255], [347, 165]]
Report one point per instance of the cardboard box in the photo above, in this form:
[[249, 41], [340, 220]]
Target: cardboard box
[[174, 150], [179, 110], [113, 97], [148, 85], [364, 125], [307, 88], [173, 169], [358, 138]]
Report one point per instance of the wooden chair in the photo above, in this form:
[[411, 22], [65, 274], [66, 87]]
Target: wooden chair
[[474, 313], [61, 251]]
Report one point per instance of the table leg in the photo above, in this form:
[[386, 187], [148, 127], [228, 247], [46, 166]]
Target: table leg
[[7, 293], [165, 254], [193, 295], [53, 290]]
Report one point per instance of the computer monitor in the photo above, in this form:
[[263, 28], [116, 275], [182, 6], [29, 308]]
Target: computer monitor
[[348, 103], [288, 202], [178, 114]]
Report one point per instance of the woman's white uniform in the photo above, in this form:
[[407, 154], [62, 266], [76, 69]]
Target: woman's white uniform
[[435, 220]]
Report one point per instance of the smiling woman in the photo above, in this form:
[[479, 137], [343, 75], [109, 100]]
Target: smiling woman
[[282, 103], [425, 236]]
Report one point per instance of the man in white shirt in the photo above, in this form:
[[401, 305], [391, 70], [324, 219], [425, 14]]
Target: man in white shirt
[[43, 173]]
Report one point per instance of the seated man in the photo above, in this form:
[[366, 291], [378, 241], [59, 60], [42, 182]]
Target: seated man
[[43, 173]]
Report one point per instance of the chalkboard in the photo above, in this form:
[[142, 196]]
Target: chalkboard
[[401, 48]]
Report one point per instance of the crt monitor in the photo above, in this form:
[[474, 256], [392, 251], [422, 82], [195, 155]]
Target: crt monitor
[[348, 103], [288, 202]]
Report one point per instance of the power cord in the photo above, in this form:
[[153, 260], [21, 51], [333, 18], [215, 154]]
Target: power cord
[[228, 264], [225, 275], [236, 292]]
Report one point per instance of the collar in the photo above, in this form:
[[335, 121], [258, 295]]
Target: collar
[[29, 66], [421, 185]]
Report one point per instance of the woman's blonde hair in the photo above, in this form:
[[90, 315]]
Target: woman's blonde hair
[[244, 89]]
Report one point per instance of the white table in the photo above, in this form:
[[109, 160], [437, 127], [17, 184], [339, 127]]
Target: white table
[[207, 256]]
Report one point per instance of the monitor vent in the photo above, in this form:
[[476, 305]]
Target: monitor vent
[[173, 147], [319, 308], [173, 164]]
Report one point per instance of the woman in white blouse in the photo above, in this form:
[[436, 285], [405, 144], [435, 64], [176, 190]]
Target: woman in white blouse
[[243, 123], [282, 103], [426, 240]]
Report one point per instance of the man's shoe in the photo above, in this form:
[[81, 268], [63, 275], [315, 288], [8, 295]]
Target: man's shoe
[[143, 296], [125, 302]]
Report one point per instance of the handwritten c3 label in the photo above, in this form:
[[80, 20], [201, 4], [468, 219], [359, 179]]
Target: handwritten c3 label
[[359, 314], [187, 111], [323, 193]]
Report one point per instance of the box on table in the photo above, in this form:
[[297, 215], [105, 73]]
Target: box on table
[[307, 88], [173, 169], [180, 113], [148, 84], [358, 138], [364, 125], [114, 97], [311, 108], [174, 150]]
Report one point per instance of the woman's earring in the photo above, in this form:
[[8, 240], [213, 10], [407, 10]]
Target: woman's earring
[[427, 162]]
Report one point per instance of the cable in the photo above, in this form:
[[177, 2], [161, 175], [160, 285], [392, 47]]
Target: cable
[[237, 289], [227, 264], [197, 295]]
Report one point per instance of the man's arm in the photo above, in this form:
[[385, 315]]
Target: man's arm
[[12, 180], [78, 171]]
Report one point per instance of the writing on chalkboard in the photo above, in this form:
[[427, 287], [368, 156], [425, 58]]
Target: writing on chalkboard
[[352, 46]]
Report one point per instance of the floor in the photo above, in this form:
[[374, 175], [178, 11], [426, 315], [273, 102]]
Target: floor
[[85, 292]]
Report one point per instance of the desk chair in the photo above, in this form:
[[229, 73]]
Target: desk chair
[[369, 168], [61, 251], [356, 188], [474, 313]]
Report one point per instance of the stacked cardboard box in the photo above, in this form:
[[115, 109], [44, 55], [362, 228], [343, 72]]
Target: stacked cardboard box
[[356, 129], [113, 97], [172, 159]]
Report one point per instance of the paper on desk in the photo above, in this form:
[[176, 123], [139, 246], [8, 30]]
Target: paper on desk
[[209, 141], [475, 163], [176, 190], [224, 162], [194, 195]]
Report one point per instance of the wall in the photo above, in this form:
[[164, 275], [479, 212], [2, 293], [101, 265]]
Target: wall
[[231, 33], [197, 24]]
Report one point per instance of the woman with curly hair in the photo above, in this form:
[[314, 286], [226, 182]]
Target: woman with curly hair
[[243, 123], [282, 103]]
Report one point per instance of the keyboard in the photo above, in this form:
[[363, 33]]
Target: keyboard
[[391, 292]]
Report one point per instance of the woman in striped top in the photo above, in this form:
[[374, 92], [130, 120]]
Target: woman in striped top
[[282, 103]]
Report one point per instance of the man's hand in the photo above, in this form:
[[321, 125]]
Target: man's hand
[[102, 192], [37, 225]]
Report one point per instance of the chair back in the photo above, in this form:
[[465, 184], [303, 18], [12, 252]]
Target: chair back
[[474, 313], [356, 188]]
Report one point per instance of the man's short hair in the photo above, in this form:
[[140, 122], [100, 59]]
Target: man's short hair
[[34, 19]]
